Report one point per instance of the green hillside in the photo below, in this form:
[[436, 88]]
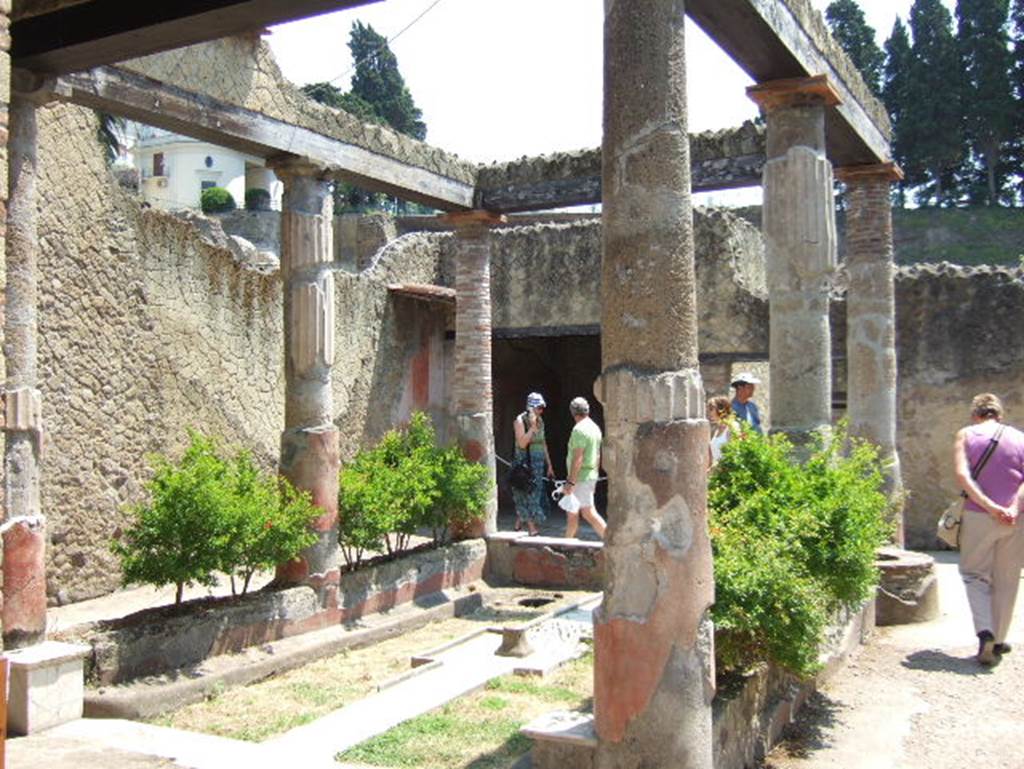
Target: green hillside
[[960, 235]]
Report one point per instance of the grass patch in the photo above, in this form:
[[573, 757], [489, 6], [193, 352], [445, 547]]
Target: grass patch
[[268, 708], [479, 731]]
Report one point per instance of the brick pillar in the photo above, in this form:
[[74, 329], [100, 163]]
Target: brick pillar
[[654, 645], [24, 567], [472, 388], [870, 313], [800, 252], [309, 443]]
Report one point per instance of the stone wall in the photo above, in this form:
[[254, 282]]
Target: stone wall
[[960, 332], [146, 329]]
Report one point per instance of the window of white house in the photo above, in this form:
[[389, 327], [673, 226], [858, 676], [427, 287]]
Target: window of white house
[[205, 185], [158, 164]]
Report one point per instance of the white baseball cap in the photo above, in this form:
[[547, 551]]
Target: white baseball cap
[[745, 377]]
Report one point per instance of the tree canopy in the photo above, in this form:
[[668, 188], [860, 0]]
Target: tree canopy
[[846, 20], [378, 95]]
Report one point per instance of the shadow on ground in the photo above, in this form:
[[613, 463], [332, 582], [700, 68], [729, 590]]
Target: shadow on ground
[[809, 732], [936, 661]]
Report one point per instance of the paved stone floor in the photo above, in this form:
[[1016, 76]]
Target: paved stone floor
[[914, 698]]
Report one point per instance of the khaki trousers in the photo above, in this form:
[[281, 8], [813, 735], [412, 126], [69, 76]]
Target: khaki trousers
[[991, 557]]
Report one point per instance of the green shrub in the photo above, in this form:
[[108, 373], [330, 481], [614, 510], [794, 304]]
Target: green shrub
[[267, 522], [405, 484], [207, 513], [216, 200], [793, 543], [257, 199]]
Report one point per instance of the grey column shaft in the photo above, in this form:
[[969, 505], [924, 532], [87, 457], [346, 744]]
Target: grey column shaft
[[21, 477], [473, 389], [24, 565], [870, 316], [654, 656], [309, 443], [800, 251]]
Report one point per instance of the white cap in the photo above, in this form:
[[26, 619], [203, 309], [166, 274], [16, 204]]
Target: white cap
[[745, 377]]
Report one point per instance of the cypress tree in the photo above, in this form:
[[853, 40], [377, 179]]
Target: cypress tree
[[988, 97], [1016, 161], [846, 20], [933, 119], [895, 86], [378, 82]]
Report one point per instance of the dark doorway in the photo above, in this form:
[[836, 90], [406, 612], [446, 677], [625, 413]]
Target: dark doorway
[[558, 367]]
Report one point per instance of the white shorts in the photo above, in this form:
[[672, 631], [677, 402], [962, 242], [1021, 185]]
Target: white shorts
[[584, 491]]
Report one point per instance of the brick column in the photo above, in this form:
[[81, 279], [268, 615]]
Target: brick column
[[654, 645], [800, 252], [24, 567], [472, 389], [871, 313], [309, 443]]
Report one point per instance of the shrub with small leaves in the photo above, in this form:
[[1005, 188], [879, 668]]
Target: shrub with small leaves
[[405, 484], [793, 542], [208, 512], [216, 200]]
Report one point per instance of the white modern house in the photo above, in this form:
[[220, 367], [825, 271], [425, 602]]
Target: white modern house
[[174, 170]]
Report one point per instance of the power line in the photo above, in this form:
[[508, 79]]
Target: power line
[[387, 41]]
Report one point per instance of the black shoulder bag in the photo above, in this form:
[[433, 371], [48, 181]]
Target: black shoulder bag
[[520, 474]]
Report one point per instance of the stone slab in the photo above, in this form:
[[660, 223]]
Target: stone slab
[[46, 686]]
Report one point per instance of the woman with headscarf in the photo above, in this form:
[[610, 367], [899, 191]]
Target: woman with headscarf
[[991, 534], [531, 444]]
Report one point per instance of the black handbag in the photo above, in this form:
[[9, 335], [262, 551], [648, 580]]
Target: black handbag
[[520, 472]]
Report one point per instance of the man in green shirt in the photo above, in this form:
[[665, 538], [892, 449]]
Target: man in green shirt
[[582, 462]]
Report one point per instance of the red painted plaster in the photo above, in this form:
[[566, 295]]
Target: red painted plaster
[[24, 570], [631, 656]]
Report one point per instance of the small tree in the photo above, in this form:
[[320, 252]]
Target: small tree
[[208, 512], [170, 538], [266, 522], [216, 200], [404, 485]]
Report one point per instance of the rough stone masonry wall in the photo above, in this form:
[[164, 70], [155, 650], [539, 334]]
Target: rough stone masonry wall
[[146, 329], [959, 332]]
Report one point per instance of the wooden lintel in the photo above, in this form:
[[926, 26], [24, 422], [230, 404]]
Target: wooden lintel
[[795, 90], [474, 218], [889, 172], [425, 292], [91, 33], [117, 91]]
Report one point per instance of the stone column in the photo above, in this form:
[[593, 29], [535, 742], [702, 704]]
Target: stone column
[[871, 313], [800, 252], [654, 645], [309, 443], [472, 388], [24, 567]]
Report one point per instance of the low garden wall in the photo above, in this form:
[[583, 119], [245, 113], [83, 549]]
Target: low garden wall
[[159, 640], [514, 558]]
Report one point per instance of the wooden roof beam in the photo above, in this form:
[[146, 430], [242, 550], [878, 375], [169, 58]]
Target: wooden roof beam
[[780, 39], [149, 101], [96, 32]]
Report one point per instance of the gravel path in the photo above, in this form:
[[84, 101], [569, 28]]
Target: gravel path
[[914, 698]]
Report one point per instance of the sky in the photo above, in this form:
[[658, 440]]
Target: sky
[[499, 80]]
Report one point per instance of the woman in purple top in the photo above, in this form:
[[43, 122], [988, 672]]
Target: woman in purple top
[[991, 537]]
